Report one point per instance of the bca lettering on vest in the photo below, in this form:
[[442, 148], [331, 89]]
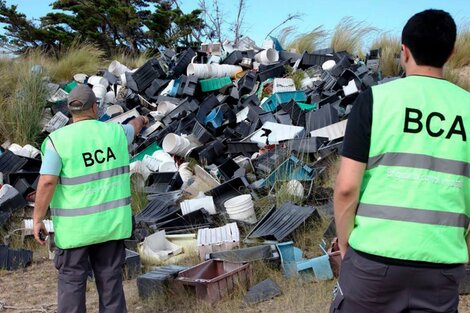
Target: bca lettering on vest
[[98, 156], [414, 125]]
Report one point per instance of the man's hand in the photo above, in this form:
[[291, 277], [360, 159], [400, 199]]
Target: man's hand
[[145, 120], [138, 123], [45, 191], [38, 227]]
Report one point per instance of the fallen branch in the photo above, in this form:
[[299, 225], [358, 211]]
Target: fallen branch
[[43, 309]]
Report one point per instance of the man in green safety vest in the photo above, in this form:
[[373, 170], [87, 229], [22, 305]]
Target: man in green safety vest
[[402, 195], [85, 180]]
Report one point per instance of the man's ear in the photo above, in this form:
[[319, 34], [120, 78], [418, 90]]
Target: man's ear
[[406, 53], [95, 108]]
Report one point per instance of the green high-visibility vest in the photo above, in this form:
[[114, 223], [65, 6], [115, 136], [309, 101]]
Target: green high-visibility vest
[[91, 202], [414, 200]]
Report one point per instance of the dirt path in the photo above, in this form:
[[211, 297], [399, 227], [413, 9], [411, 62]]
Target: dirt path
[[36, 287]]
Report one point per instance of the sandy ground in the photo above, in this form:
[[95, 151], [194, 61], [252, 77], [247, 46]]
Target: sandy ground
[[35, 288]]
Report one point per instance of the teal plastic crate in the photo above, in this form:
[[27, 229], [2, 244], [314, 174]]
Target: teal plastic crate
[[284, 97], [212, 84], [273, 102], [147, 151], [307, 106]]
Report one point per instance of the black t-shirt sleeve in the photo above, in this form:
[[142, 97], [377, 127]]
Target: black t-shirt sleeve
[[356, 141]]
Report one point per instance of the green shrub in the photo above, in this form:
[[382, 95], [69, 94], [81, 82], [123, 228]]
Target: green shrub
[[78, 58], [23, 105]]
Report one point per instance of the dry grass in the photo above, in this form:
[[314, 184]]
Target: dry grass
[[349, 35], [460, 77], [390, 51], [298, 295], [22, 99], [461, 57], [78, 58], [308, 41], [138, 197], [130, 60], [457, 69]]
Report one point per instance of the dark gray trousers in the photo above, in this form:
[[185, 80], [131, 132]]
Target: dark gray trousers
[[106, 260], [369, 286]]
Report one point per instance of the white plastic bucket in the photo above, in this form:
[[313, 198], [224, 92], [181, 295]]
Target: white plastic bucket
[[206, 203], [117, 69], [295, 188], [15, 148], [175, 144], [307, 83], [114, 109], [267, 56], [98, 80], [99, 91], [167, 167], [167, 164], [80, 78], [199, 70], [110, 97], [161, 156], [32, 151], [214, 70], [328, 65], [26, 151], [123, 80], [241, 208], [151, 163], [165, 107]]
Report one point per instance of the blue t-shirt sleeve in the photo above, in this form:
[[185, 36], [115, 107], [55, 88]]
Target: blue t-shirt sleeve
[[129, 131], [51, 162]]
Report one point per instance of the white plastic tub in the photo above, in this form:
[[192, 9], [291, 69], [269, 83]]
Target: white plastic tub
[[241, 208]]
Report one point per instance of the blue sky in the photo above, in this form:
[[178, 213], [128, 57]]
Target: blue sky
[[263, 15]]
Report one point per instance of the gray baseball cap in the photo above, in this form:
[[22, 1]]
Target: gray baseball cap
[[81, 98]]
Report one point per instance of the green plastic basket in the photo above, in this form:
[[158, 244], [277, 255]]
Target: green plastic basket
[[147, 151], [307, 106], [212, 84]]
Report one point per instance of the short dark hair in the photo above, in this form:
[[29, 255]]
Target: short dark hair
[[430, 35]]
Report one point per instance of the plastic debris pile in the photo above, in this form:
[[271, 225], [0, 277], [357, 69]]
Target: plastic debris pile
[[228, 127]]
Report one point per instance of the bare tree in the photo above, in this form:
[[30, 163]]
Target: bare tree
[[239, 21], [214, 19], [289, 17]]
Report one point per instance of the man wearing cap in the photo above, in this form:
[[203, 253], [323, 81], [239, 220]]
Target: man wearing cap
[[85, 180], [402, 195]]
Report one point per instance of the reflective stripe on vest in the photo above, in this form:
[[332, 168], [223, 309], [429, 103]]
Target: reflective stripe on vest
[[423, 161], [91, 209], [414, 202], [413, 215], [95, 176]]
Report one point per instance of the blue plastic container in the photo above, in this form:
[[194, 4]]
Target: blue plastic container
[[215, 117], [292, 262], [176, 86]]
